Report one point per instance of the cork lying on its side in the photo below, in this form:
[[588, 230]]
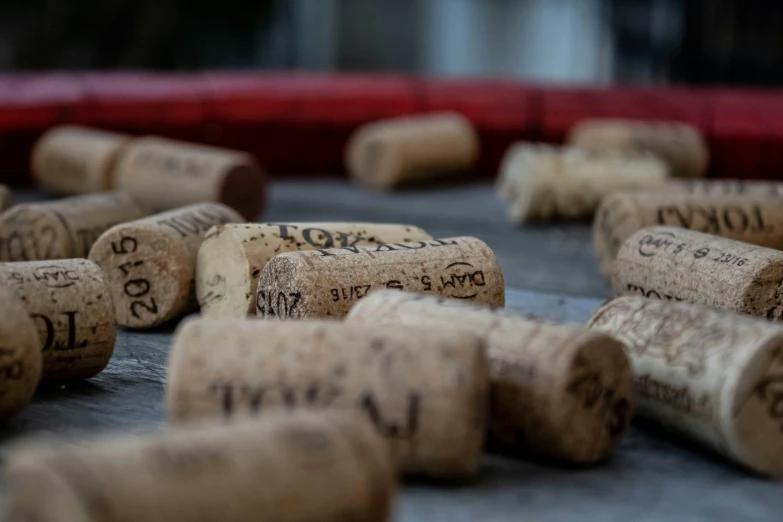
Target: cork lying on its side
[[64, 228], [303, 467], [752, 219], [424, 391], [150, 264], [540, 182], [388, 153], [5, 198], [166, 174], [682, 265], [558, 390], [74, 160], [232, 256], [20, 355], [327, 282], [709, 375], [70, 303], [682, 146]]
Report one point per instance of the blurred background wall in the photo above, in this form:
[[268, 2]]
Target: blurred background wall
[[573, 41]]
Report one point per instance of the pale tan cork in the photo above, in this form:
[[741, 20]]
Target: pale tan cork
[[70, 159], [557, 390], [676, 264], [392, 152], [65, 228], [327, 282], [5, 198], [424, 391], [150, 264], [232, 256], [682, 146], [70, 303], [295, 467], [753, 219], [542, 182], [20, 355], [165, 174], [709, 375]]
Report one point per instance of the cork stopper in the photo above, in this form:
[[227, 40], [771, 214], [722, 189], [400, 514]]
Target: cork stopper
[[303, 466], [392, 152], [542, 182], [705, 374], [232, 256], [74, 160], [750, 218], [557, 390], [680, 145], [425, 391], [71, 306], [5, 198], [166, 174], [327, 282], [20, 355], [683, 265], [150, 264], [62, 229]]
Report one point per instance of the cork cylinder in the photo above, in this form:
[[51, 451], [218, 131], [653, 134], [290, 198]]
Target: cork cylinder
[[166, 174], [709, 375], [5, 198], [680, 145], [388, 153], [62, 229], [303, 467], [557, 390], [542, 182], [425, 391], [75, 160], [327, 282], [70, 303], [676, 264], [150, 264], [232, 256], [20, 355], [753, 219]]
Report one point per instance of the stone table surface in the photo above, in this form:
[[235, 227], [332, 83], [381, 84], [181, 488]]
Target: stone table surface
[[549, 271]]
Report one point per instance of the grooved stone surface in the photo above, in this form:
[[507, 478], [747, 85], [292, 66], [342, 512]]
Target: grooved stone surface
[[549, 271]]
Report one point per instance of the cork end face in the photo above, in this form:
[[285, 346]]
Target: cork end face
[[149, 273], [225, 281], [244, 189], [373, 163], [32, 233], [280, 293], [526, 185], [20, 357], [615, 221], [753, 420]]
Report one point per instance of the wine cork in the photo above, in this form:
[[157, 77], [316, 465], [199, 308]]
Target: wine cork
[[303, 467], [166, 174], [327, 282], [682, 146], [541, 182], [70, 303], [676, 264], [5, 198], [558, 390], [708, 375], [74, 160], [20, 355], [62, 229], [752, 219], [424, 391], [724, 187], [150, 263], [232, 256], [388, 153]]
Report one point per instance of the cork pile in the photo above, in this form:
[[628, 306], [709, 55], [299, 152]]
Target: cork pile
[[333, 358]]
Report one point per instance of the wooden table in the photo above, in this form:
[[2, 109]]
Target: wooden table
[[550, 272]]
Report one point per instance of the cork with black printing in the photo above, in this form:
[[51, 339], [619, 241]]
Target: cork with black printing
[[20, 355]]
